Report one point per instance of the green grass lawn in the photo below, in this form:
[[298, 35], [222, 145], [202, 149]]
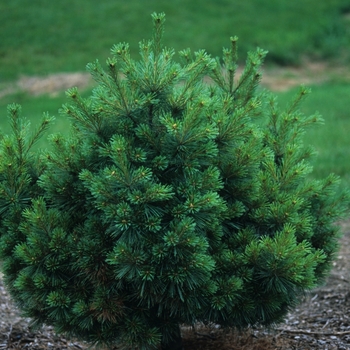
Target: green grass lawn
[[41, 36]]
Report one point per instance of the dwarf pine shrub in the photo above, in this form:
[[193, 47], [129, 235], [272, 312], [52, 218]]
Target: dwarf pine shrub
[[181, 195]]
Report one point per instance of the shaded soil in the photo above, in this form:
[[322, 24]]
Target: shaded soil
[[321, 321], [51, 85]]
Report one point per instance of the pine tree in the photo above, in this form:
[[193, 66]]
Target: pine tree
[[180, 195]]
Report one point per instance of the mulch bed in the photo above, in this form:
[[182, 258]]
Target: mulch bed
[[321, 321]]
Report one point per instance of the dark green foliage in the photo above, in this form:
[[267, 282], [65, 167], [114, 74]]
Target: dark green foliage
[[173, 201]]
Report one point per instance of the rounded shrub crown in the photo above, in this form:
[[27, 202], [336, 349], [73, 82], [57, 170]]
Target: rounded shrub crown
[[180, 195]]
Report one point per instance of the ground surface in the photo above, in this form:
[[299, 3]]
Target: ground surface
[[321, 321]]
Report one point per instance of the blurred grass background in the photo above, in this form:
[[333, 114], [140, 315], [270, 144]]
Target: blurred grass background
[[41, 37]]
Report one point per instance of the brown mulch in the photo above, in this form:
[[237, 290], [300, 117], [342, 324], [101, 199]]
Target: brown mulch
[[321, 321]]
